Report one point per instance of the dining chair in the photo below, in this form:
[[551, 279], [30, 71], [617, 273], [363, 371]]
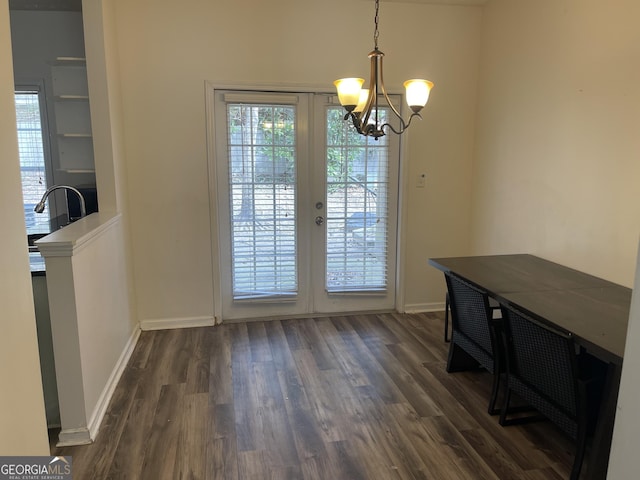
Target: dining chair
[[447, 310], [546, 370], [474, 333]]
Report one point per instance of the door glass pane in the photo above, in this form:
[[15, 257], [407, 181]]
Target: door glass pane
[[357, 208], [262, 181]]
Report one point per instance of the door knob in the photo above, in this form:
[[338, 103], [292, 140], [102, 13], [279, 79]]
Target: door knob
[[319, 220]]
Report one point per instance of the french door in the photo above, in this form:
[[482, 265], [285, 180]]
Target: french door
[[306, 207]]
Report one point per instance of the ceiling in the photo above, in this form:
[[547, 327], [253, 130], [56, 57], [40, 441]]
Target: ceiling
[[56, 5]]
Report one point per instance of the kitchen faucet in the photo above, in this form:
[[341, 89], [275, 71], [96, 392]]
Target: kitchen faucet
[[39, 208]]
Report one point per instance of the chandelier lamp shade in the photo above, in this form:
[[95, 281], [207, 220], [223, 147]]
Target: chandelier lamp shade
[[363, 104]]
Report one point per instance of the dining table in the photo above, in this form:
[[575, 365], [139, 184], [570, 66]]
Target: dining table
[[593, 310]]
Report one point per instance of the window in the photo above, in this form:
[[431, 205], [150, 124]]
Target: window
[[357, 215], [262, 187], [32, 158]]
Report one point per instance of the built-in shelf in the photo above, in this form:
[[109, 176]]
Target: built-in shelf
[[77, 170], [72, 113], [63, 98], [70, 61]]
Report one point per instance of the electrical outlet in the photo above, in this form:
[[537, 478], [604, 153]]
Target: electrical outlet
[[421, 181]]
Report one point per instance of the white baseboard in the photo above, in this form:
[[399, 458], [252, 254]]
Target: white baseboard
[[424, 307], [170, 323], [74, 436], [105, 397]]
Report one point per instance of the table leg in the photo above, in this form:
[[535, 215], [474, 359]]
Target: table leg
[[599, 457]]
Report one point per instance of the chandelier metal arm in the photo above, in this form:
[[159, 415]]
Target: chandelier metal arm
[[384, 91], [372, 105], [369, 129], [403, 125], [365, 113]]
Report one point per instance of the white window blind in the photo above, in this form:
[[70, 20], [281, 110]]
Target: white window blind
[[262, 181], [32, 161], [357, 208]]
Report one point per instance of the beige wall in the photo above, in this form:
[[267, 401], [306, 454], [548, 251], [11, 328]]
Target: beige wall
[[167, 51], [22, 416], [556, 170], [103, 72]]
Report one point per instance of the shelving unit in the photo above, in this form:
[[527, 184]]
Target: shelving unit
[[70, 61], [72, 115]]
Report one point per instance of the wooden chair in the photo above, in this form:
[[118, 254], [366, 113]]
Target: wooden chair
[[544, 368], [474, 333]]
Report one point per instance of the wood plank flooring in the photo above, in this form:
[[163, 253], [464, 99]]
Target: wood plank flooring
[[362, 397]]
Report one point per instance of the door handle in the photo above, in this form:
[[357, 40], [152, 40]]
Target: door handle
[[319, 220]]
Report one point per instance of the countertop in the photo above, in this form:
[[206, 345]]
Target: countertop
[[36, 264]]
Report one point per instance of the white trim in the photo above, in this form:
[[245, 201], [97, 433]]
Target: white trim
[[74, 237], [401, 212], [307, 315], [103, 402], [74, 436], [210, 91], [424, 307], [86, 435], [270, 87], [171, 323], [250, 97]]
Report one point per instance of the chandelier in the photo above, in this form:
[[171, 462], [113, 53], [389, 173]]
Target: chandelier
[[362, 104]]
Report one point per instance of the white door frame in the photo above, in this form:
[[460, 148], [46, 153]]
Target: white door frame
[[325, 302], [210, 89]]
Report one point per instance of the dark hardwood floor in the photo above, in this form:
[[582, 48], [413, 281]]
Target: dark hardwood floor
[[362, 397]]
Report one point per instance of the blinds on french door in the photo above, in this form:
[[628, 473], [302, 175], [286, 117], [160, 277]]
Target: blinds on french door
[[262, 181], [357, 208]]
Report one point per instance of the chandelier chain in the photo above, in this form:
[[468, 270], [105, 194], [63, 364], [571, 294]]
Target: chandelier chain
[[375, 20], [363, 104]]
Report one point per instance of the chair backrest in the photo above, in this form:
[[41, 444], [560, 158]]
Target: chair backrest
[[470, 313], [544, 360]]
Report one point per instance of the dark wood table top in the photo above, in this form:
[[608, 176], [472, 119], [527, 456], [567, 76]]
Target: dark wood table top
[[597, 317], [594, 310], [517, 273]]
